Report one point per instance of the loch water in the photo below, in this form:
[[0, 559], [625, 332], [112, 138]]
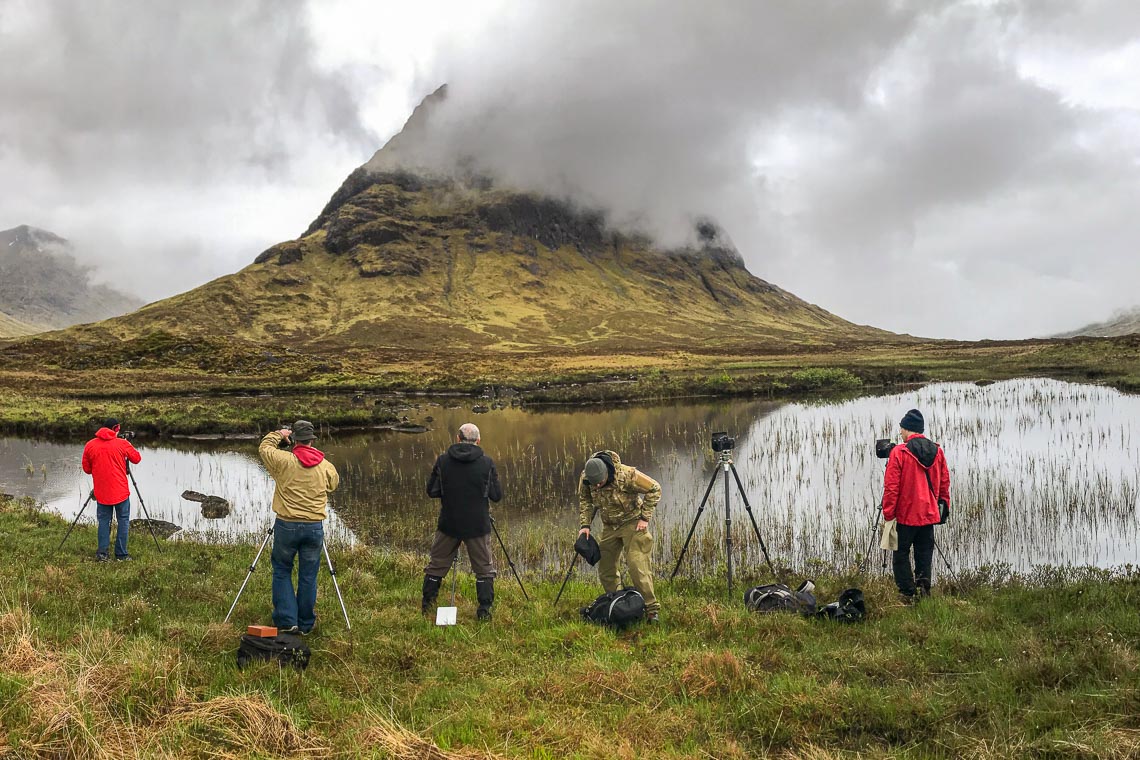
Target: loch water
[[1042, 472]]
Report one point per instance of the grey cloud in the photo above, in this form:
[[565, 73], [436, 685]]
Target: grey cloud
[[649, 111], [899, 118], [114, 110], [890, 161], [139, 87]]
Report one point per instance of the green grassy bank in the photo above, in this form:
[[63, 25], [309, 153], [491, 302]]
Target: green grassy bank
[[130, 659], [56, 389]]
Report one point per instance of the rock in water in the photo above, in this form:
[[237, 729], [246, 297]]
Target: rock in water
[[213, 507], [161, 528]]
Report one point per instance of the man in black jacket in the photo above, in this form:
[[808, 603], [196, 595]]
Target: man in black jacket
[[463, 479]]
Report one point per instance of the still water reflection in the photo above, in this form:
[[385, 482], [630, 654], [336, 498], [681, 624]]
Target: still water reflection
[[1043, 472]]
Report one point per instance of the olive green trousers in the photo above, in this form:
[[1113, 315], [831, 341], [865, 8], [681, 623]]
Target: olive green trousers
[[638, 548]]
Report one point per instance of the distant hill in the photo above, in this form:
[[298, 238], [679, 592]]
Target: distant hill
[[43, 287], [403, 263], [1123, 322]]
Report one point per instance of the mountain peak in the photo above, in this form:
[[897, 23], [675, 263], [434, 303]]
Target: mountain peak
[[42, 286], [405, 149], [26, 235]]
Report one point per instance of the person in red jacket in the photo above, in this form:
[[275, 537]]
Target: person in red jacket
[[917, 478], [105, 459]]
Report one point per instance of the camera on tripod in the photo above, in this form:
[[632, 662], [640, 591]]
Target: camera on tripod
[[722, 441], [883, 447]]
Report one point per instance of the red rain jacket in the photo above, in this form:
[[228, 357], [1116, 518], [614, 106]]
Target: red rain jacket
[[906, 493], [105, 460]]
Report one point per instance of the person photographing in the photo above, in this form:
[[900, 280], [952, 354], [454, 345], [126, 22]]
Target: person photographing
[[105, 459], [917, 479], [303, 480], [465, 481]]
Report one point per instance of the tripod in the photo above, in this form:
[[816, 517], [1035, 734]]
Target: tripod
[[149, 522], [875, 516], [573, 563], [510, 563], [724, 463], [90, 496], [257, 557]]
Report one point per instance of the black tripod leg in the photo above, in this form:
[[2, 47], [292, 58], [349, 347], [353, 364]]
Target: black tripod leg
[[943, 556], [728, 529], [752, 517], [693, 528], [510, 564], [870, 544], [146, 514], [73, 522], [573, 562], [252, 567]]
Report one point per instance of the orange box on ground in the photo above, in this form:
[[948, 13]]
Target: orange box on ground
[[262, 630]]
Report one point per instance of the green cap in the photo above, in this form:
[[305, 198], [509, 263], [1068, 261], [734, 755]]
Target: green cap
[[596, 471], [303, 431]]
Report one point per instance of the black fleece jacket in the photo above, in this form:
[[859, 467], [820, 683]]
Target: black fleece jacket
[[464, 479]]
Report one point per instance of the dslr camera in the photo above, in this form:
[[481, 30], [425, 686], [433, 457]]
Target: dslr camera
[[127, 434], [287, 440], [722, 441], [883, 447]]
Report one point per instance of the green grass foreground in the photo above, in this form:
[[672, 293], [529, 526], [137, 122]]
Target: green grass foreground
[[131, 660]]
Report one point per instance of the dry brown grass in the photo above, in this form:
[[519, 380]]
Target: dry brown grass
[[74, 707], [713, 673], [14, 621], [218, 637], [1104, 744], [402, 744], [244, 723]]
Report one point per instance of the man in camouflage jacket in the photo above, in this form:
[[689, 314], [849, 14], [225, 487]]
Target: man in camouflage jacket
[[625, 498]]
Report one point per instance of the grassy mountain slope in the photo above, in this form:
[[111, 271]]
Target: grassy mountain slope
[[1126, 322], [42, 286], [398, 263], [10, 327]]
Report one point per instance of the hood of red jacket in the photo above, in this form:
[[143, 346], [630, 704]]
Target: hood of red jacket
[[106, 434], [308, 456], [923, 449]]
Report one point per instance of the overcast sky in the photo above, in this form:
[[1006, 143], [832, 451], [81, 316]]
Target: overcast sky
[[944, 168]]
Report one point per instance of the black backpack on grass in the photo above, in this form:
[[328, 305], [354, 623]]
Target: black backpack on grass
[[616, 609], [285, 648], [776, 597], [850, 608]]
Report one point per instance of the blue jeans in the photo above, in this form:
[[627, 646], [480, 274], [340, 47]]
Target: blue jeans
[[103, 512], [304, 541]]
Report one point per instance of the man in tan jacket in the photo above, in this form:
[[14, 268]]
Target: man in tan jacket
[[626, 498], [304, 479]]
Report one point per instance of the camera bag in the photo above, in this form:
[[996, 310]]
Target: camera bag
[[776, 597], [285, 648], [616, 609], [850, 608]]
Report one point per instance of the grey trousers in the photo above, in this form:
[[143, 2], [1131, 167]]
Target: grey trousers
[[444, 548]]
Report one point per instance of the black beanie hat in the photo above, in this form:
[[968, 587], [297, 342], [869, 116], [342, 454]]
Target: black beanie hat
[[913, 422]]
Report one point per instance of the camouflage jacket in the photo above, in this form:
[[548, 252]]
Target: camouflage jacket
[[631, 495]]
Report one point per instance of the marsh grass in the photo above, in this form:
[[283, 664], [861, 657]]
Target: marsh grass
[[130, 659]]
